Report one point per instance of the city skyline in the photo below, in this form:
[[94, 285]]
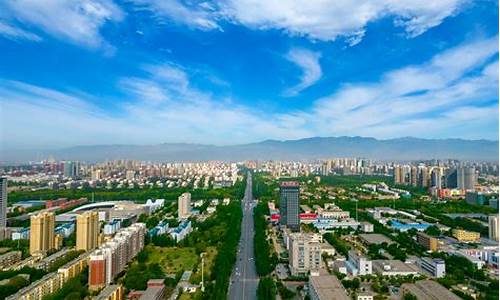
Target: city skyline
[[220, 73]]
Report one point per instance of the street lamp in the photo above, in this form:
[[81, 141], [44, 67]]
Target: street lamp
[[202, 255]]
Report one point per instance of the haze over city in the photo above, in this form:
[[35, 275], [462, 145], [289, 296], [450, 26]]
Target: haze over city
[[249, 150]]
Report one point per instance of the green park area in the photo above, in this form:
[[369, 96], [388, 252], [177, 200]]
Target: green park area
[[172, 259]]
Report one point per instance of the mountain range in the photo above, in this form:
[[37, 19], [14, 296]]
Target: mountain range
[[407, 148]]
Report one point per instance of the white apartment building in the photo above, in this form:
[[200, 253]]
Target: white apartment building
[[304, 253]]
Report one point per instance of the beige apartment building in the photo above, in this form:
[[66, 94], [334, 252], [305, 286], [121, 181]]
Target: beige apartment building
[[87, 231], [42, 233]]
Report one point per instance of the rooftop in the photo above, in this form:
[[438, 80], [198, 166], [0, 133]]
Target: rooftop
[[375, 238], [328, 287], [289, 184]]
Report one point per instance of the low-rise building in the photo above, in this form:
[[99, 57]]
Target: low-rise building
[[357, 264], [429, 242], [427, 290], [466, 236], [326, 287], [111, 292], [366, 227], [434, 267], [181, 231], [386, 267], [10, 258], [154, 291]]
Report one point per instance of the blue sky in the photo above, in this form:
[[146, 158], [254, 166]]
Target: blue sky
[[237, 71]]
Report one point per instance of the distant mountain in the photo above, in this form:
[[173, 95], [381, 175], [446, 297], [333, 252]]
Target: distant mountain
[[406, 148]]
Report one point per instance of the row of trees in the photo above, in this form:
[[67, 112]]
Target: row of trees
[[226, 249], [137, 194], [265, 262]]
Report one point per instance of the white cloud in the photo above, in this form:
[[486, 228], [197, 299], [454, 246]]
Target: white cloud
[[197, 15], [323, 20], [445, 97], [329, 19], [308, 61], [14, 33], [76, 21]]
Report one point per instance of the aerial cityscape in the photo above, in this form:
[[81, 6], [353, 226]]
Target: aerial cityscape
[[249, 150]]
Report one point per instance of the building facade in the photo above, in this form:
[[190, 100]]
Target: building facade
[[304, 253], [3, 202], [493, 227], [465, 236], [429, 242]]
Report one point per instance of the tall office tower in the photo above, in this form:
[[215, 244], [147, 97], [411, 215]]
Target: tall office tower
[[3, 202], [42, 233], [436, 178], [184, 206], [451, 179], [413, 176], [493, 227], [289, 204], [87, 230], [71, 169]]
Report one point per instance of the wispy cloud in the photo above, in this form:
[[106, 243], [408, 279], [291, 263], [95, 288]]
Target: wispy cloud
[[194, 15], [77, 22], [308, 62], [14, 33], [457, 78]]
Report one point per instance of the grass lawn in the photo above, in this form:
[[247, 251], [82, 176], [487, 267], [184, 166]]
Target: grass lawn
[[172, 259]]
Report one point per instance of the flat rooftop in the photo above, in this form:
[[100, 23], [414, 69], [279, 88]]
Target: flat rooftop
[[328, 287], [375, 238], [429, 290], [392, 265]]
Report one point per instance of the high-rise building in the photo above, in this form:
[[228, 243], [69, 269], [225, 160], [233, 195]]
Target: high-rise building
[[493, 227], [466, 178], [436, 178], [3, 202], [42, 233], [414, 176], [87, 230], [71, 169], [289, 205], [397, 175], [451, 179], [305, 253], [184, 205]]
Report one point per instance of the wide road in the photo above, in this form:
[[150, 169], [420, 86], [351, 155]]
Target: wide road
[[244, 280]]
